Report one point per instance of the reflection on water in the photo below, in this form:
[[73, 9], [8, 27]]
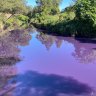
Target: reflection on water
[[85, 53], [48, 41], [58, 70], [9, 43], [9, 56]]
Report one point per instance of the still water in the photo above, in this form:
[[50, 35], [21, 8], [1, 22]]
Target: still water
[[37, 64]]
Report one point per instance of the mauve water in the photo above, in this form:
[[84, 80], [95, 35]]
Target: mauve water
[[36, 64]]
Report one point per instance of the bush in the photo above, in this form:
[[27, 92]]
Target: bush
[[86, 18], [22, 18], [17, 21]]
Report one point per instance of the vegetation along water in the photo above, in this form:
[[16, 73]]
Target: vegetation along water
[[78, 20]]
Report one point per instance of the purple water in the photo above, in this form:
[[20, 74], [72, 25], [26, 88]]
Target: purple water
[[48, 65]]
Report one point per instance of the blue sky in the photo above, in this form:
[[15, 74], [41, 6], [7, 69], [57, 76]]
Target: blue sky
[[64, 4]]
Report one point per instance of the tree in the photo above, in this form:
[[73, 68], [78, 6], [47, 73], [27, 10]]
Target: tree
[[48, 6], [86, 17], [13, 6], [86, 9]]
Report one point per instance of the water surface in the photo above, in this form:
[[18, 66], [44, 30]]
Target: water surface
[[37, 64]]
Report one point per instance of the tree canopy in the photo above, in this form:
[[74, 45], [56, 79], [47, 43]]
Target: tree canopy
[[13, 6], [86, 17], [48, 6], [86, 9]]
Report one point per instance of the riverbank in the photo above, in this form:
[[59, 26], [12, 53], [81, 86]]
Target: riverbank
[[56, 32], [65, 25]]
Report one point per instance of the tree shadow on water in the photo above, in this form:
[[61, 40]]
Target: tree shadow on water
[[36, 84]]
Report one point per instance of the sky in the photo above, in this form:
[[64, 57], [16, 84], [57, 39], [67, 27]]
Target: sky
[[64, 4]]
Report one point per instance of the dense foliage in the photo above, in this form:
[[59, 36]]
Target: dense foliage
[[77, 20], [13, 13], [48, 6], [13, 6], [86, 18]]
